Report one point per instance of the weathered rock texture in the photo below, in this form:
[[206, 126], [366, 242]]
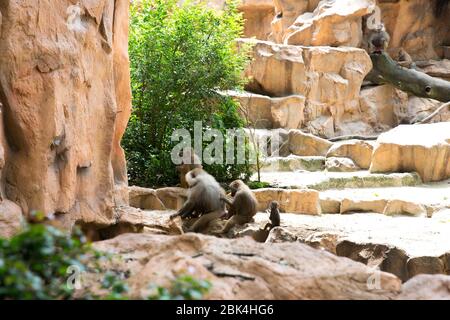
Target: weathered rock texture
[[413, 26], [332, 23], [65, 91], [424, 149], [328, 78], [245, 269]]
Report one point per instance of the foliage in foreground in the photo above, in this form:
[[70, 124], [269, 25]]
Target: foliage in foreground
[[39, 263], [181, 58]]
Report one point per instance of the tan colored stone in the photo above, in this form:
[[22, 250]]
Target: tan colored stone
[[426, 287], [330, 24], [329, 78], [287, 12], [258, 15], [420, 32], [276, 70], [266, 112], [144, 198], [335, 164], [394, 207], [381, 106], [355, 205], [66, 101], [358, 150], [305, 144], [172, 198], [329, 205], [250, 270], [424, 149], [292, 201]]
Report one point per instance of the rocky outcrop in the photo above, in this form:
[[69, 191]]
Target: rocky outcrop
[[65, 91], [328, 78], [424, 149], [258, 15], [264, 112], [382, 106], [414, 27], [332, 23], [245, 269]]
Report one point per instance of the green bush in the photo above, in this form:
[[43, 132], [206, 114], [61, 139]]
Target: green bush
[[34, 263], [181, 58]]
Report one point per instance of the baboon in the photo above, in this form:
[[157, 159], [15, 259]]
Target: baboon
[[242, 207], [204, 199], [404, 59], [262, 234], [190, 161], [274, 216], [378, 41]]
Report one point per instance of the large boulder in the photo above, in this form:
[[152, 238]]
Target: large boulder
[[258, 15], [11, 219], [65, 91], [244, 269], [305, 144], [266, 112], [332, 23], [424, 149], [329, 78], [144, 198]]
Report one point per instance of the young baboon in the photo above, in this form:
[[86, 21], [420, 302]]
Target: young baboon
[[190, 161], [262, 234], [274, 216], [243, 206], [204, 199], [404, 59]]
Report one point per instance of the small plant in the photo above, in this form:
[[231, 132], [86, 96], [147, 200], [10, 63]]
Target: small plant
[[34, 263], [183, 288], [117, 287], [258, 184]]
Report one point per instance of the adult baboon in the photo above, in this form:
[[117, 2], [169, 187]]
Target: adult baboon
[[204, 199]]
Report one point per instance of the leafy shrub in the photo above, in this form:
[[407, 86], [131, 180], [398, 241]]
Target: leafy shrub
[[183, 288], [181, 58], [33, 264]]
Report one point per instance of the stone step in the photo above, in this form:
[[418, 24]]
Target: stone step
[[323, 180], [293, 163], [421, 200]]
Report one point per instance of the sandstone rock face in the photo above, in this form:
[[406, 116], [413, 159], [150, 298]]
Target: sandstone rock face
[[258, 15], [424, 149], [381, 106], [266, 112], [245, 269], [305, 144], [358, 150], [413, 26], [287, 12], [332, 23], [294, 201], [65, 91], [11, 219], [328, 78]]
